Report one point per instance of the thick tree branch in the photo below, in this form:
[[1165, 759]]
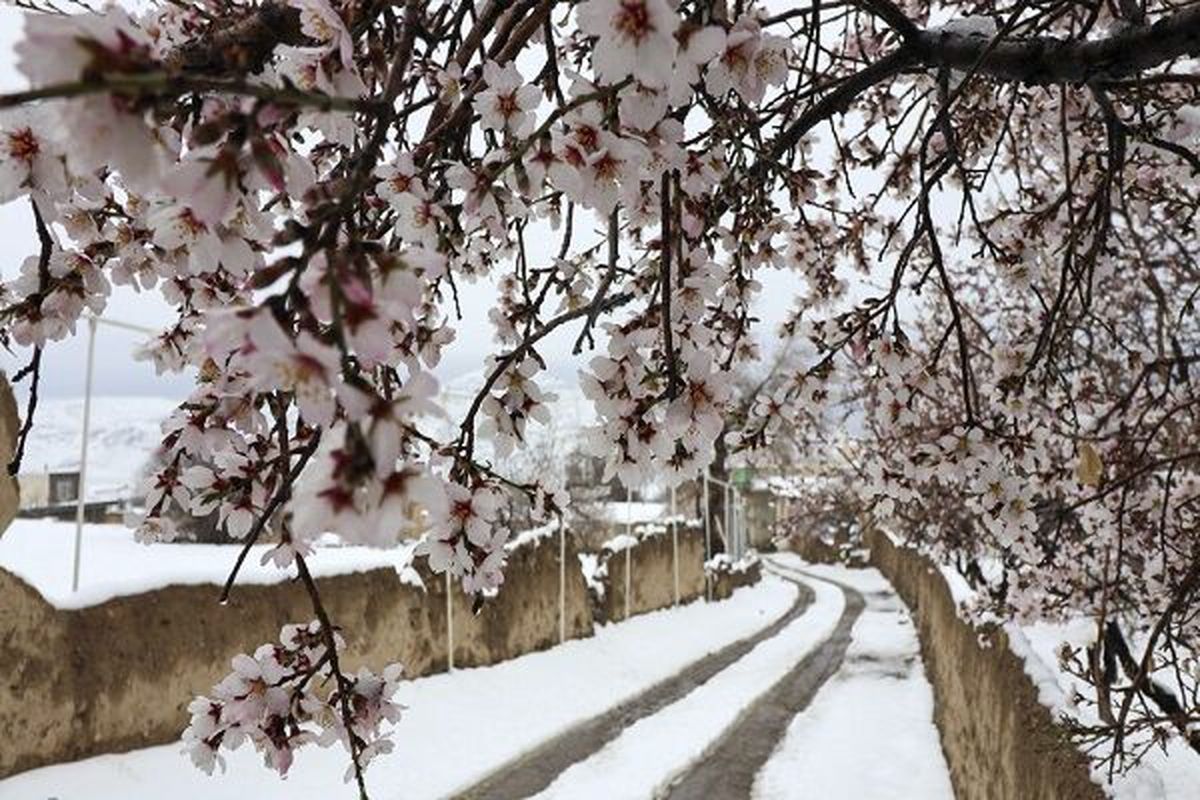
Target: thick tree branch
[[1048, 60], [1036, 61]]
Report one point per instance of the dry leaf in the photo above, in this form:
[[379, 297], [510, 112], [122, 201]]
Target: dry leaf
[[1090, 468]]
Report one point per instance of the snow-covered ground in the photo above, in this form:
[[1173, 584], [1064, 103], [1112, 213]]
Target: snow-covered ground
[[112, 564], [869, 732], [649, 753], [458, 727]]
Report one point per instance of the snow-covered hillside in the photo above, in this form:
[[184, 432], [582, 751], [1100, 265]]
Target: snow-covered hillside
[[126, 430], [570, 414], [124, 433]]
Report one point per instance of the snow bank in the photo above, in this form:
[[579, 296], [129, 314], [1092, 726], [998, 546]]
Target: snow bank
[[723, 563], [620, 542]]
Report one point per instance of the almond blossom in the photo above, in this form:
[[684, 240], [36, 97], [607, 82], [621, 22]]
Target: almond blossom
[[635, 38], [508, 102], [465, 537], [336, 197], [274, 699], [750, 62], [30, 159]]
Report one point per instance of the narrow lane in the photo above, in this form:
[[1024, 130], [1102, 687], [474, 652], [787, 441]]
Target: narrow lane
[[537, 769], [728, 768], [869, 732]]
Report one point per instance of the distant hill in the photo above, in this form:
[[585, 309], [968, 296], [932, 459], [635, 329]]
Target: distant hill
[[124, 434], [125, 431], [570, 412]]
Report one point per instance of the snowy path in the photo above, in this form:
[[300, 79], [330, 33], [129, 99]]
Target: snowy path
[[869, 732], [644, 760], [537, 769], [834, 706], [729, 767]]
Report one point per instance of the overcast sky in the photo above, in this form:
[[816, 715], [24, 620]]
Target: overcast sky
[[118, 373]]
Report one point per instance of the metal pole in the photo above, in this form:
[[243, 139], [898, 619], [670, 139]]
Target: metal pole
[[736, 512], [562, 582], [729, 531], [731, 521], [733, 524], [81, 501], [83, 451], [726, 521], [449, 624], [741, 523], [628, 512], [707, 541], [674, 547]]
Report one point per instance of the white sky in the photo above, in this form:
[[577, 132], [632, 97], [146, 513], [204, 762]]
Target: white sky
[[118, 373]]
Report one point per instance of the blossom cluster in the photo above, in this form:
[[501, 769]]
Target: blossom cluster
[[285, 696]]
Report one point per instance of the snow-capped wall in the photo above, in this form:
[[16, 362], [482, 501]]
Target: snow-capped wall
[[116, 672], [651, 559], [999, 740], [118, 675]]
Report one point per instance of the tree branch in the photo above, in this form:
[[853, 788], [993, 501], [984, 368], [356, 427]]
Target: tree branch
[[1048, 60]]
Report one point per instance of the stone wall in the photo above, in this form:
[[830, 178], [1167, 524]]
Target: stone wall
[[119, 675], [651, 570], [726, 582], [999, 741], [523, 616]]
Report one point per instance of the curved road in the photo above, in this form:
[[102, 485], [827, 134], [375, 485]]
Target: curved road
[[728, 767], [537, 769]]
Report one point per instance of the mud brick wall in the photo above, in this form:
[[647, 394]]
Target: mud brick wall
[[1000, 742]]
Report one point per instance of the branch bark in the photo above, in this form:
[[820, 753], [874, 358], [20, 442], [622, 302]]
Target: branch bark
[[1049, 60]]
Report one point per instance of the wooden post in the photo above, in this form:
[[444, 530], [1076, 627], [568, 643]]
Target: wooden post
[[449, 622], [562, 582], [674, 546]]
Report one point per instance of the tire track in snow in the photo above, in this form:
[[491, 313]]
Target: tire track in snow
[[727, 769], [537, 769]]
